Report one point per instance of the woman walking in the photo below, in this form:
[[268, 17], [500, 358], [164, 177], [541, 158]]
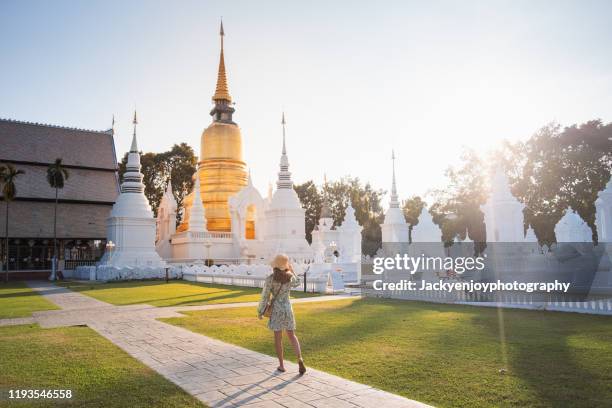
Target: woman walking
[[275, 304]]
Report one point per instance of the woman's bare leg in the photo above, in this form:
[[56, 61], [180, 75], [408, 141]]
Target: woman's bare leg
[[278, 344], [295, 343]]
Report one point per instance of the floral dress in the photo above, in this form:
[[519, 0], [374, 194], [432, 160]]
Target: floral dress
[[282, 313]]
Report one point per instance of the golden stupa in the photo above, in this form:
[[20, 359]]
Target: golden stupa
[[221, 168]]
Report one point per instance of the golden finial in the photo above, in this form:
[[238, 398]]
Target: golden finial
[[222, 90]]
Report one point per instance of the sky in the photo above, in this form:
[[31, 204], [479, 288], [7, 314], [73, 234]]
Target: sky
[[356, 79]]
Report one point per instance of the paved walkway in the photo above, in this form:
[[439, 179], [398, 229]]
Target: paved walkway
[[217, 373]]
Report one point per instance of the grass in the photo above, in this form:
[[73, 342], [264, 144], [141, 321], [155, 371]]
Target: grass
[[445, 355], [76, 358], [18, 300], [173, 293]]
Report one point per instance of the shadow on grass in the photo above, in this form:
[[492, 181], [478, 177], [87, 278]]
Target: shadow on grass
[[539, 352], [209, 293]]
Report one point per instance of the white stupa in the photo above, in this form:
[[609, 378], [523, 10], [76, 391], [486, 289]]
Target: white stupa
[[285, 226], [349, 237], [426, 230], [394, 228], [131, 226], [530, 235], [324, 234], [572, 228], [197, 215], [603, 218], [166, 222], [503, 213]]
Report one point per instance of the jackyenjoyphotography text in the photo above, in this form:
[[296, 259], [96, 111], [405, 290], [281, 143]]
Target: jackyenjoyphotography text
[[472, 286]]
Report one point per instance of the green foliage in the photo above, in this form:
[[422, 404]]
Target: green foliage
[[57, 174], [178, 163], [311, 200], [456, 208], [556, 169], [363, 197], [412, 209]]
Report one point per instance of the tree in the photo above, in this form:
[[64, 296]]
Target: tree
[[556, 169], [312, 202], [412, 209], [56, 176], [365, 200], [456, 208], [9, 191], [178, 163]]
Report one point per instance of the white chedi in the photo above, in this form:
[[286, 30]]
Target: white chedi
[[426, 230], [285, 230], [503, 213], [394, 227], [530, 235], [349, 237], [197, 215], [166, 222], [426, 240], [572, 228], [603, 219], [131, 226]]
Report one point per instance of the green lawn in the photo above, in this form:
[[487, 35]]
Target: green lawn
[[77, 358], [173, 293], [18, 300], [444, 355]]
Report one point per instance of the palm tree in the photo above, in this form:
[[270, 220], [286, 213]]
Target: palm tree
[[56, 175], [9, 191]]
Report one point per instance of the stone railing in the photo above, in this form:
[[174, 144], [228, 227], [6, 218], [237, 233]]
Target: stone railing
[[109, 273], [216, 261], [71, 264], [249, 275], [205, 235]]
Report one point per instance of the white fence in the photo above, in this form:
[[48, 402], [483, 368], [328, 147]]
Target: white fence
[[251, 275], [559, 303], [107, 273]]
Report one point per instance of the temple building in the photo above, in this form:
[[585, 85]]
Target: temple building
[[225, 218], [85, 201]]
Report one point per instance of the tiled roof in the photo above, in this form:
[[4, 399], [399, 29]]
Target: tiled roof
[[35, 142]]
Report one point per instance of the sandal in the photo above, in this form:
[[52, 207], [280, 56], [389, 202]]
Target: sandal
[[302, 366], [282, 370]]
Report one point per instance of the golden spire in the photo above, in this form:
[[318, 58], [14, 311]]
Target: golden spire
[[222, 90]]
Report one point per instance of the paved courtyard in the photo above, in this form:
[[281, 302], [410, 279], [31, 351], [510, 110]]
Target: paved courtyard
[[217, 373]]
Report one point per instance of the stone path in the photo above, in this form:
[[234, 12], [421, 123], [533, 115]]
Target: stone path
[[217, 373]]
